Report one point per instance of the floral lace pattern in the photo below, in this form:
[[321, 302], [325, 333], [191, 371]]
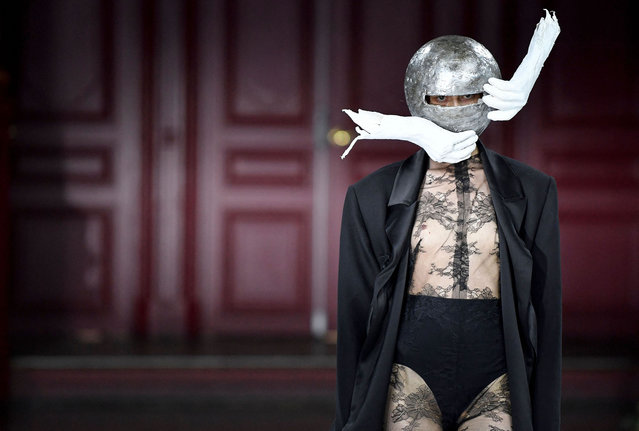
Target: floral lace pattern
[[412, 406], [490, 410], [455, 243], [454, 256]]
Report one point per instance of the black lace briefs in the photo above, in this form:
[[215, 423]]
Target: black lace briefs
[[455, 345]]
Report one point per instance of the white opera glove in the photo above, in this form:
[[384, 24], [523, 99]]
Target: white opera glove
[[508, 97], [440, 144]]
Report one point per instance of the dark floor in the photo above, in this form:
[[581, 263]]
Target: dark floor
[[252, 412], [249, 385], [183, 413]]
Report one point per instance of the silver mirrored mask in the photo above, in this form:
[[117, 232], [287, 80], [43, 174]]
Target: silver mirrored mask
[[450, 66]]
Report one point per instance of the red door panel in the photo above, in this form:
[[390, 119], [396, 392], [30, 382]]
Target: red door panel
[[66, 172], [255, 149]]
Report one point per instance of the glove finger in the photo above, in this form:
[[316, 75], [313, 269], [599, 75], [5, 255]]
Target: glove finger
[[501, 84], [349, 112], [497, 103], [467, 142], [501, 104], [502, 115], [464, 152], [363, 119], [368, 135], [467, 145], [466, 134], [352, 115], [364, 111], [368, 116], [461, 141], [510, 94], [456, 151], [372, 115], [367, 123], [458, 156], [363, 133]]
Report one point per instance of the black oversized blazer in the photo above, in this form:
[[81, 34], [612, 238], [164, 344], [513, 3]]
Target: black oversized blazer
[[378, 217]]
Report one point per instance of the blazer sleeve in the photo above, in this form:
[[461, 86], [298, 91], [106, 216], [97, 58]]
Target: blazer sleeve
[[546, 300], [358, 267]]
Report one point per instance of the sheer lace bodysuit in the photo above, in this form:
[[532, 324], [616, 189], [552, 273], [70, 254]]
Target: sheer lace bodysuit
[[450, 369]]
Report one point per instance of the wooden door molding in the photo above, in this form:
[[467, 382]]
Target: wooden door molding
[[254, 144], [167, 302], [65, 86], [73, 188]]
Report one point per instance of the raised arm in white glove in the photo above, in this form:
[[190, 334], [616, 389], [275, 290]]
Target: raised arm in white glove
[[440, 144], [508, 97]]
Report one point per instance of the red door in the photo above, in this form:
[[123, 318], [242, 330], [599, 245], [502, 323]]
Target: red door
[[74, 169], [171, 171], [162, 175], [254, 186]]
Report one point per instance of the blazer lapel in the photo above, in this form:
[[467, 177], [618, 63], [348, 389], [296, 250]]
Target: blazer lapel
[[399, 219], [402, 201], [510, 203], [505, 185]]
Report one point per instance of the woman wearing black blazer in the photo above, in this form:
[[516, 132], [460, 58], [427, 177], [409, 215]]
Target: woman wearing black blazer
[[377, 263]]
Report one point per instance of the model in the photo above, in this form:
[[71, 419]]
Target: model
[[449, 292]]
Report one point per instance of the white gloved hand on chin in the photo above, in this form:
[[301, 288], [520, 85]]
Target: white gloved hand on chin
[[508, 97], [440, 144]]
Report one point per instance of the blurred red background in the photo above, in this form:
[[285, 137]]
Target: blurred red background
[[173, 170]]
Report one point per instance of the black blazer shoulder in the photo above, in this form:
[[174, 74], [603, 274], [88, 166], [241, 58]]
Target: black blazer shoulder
[[377, 185], [528, 175]]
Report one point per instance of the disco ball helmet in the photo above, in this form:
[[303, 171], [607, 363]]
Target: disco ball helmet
[[450, 66]]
